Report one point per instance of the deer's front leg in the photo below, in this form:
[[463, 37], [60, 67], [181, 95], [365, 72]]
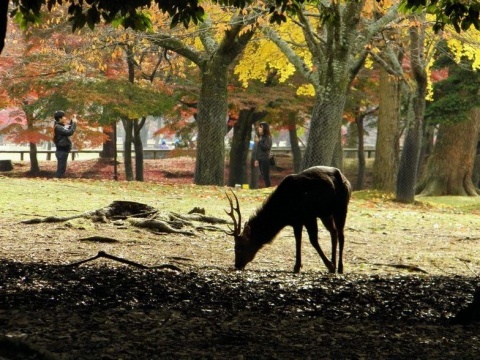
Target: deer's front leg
[[297, 231]]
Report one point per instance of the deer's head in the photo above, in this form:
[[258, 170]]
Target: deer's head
[[245, 250]]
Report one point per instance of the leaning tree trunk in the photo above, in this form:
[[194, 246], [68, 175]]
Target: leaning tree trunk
[[212, 122], [324, 137], [385, 165], [127, 149], [138, 144], [408, 168], [449, 168]]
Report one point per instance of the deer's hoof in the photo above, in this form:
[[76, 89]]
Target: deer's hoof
[[297, 268]]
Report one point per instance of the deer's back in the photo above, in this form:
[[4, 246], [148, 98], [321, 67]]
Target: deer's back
[[319, 191]]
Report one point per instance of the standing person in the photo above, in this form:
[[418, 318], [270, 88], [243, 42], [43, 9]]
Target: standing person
[[263, 146], [61, 138]]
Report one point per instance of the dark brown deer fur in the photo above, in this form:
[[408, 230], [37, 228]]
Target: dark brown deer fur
[[318, 192]]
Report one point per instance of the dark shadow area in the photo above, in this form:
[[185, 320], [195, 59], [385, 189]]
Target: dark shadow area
[[210, 312]]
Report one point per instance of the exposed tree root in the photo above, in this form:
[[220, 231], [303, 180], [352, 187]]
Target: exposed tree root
[[143, 216], [159, 226]]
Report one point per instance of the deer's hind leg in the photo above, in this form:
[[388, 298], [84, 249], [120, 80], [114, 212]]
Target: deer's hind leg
[[340, 220], [329, 224], [312, 229]]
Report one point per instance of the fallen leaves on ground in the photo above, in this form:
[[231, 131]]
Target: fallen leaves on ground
[[93, 312]]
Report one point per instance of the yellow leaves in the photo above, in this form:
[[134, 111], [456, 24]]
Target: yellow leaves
[[78, 66], [262, 56], [306, 90], [369, 62], [117, 53], [465, 46], [222, 28]]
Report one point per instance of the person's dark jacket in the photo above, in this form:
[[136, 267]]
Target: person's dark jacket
[[62, 136], [264, 146]]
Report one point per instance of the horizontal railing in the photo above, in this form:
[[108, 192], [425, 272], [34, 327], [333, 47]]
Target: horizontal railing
[[167, 153]]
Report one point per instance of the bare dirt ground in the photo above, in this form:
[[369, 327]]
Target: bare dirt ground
[[409, 270]]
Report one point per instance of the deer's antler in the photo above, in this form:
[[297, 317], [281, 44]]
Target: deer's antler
[[236, 224]]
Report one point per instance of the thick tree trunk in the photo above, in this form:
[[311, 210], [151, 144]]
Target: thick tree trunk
[[212, 123], [449, 168], [324, 138], [385, 165]]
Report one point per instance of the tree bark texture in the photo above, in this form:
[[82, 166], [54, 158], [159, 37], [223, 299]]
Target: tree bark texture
[[324, 137], [212, 124], [450, 166], [385, 166]]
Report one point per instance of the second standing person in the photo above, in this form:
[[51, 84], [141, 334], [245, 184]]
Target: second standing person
[[263, 141]]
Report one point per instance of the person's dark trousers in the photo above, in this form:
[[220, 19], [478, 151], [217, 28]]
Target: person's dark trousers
[[264, 166], [62, 157]]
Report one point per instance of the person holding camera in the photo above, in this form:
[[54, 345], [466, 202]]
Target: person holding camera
[[61, 138]]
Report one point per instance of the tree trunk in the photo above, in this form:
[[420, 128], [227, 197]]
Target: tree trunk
[[127, 149], [138, 144], [239, 151], [108, 148], [385, 165], [212, 123], [242, 134], [324, 137], [408, 168], [296, 152], [450, 166], [361, 152], [34, 167]]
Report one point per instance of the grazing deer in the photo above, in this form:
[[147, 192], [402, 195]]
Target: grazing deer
[[318, 192]]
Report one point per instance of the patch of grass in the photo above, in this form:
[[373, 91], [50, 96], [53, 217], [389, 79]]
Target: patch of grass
[[463, 203]]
